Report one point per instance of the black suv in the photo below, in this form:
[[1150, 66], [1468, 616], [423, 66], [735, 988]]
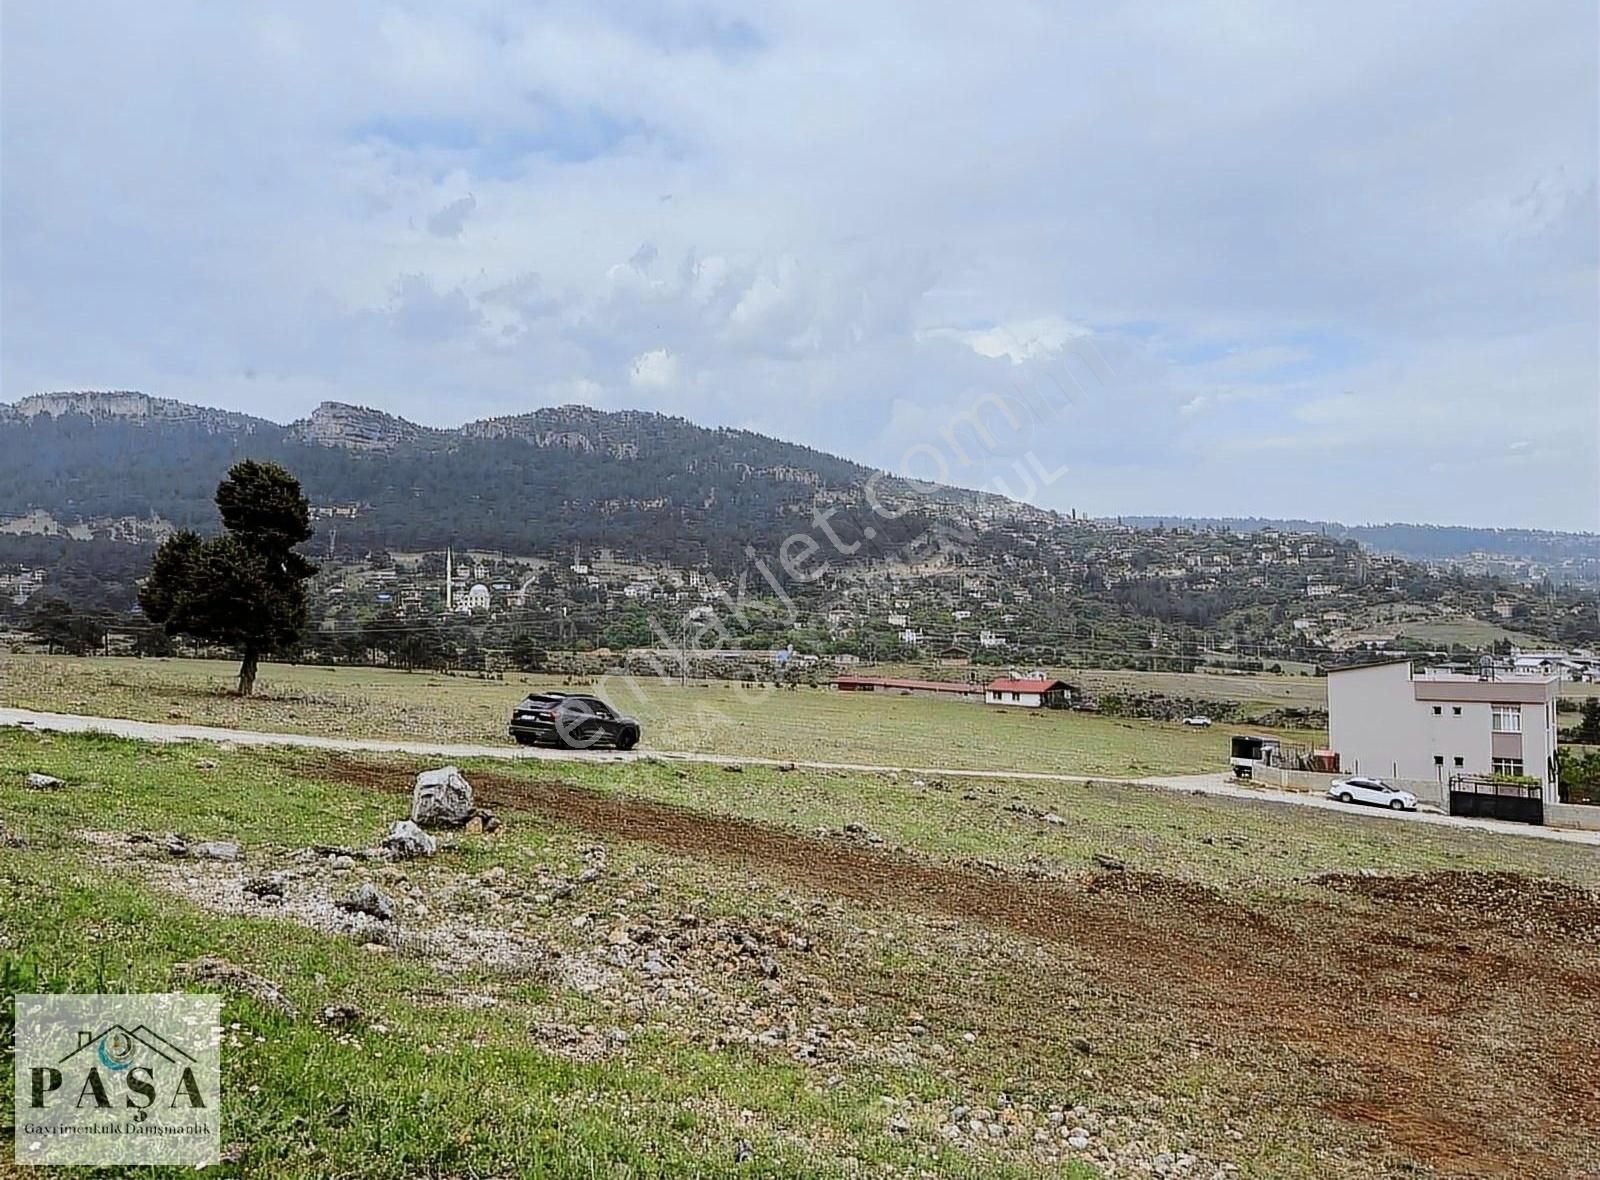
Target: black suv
[[572, 720]]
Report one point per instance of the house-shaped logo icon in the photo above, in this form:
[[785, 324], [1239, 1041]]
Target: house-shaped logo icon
[[119, 1048]]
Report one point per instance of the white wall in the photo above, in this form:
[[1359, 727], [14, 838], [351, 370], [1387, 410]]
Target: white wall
[[1029, 700]]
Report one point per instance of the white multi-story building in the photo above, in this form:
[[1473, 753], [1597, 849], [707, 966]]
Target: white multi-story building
[[1388, 721]]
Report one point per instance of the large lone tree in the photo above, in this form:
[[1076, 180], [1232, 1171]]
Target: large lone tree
[[246, 588]]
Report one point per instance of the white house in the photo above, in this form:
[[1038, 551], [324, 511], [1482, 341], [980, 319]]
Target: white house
[[1386, 720], [475, 600], [1027, 694]]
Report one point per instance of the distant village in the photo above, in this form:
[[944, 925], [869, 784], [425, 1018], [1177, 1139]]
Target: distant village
[[1270, 599]]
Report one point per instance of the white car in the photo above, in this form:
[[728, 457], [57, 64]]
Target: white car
[[1200, 722], [1372, 790]]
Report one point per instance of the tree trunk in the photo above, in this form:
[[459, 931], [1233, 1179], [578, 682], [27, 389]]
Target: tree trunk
[[247, 672]]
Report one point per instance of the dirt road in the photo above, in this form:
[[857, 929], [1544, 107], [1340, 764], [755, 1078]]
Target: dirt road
[[1206, 784]]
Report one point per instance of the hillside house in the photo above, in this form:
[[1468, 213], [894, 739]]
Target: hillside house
[[1028, 694], [1386, 720]]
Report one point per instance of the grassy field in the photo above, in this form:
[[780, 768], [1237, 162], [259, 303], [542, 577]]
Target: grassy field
[[1261, 691], [803, 724], [853, 975]]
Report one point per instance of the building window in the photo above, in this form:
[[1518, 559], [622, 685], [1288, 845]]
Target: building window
[[1438, 759], [1456, 710], [1511, 766], [1437, 710], [1460, 762], [1016, 696], [1505, 718]]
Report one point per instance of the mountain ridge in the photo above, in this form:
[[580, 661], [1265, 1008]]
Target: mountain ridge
[[662, 485], [954, 566]]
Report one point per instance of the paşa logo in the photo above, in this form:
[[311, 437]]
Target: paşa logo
[[118, 1079], [130, 1060]]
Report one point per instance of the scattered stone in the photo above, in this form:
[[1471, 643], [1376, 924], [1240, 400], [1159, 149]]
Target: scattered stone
[[407, 841], [9, 839], [45, 782], [441, 799], [743, 1153], [369, 900], [733, 768], [342, 863], [174, 845], [265, 887], [1082, 1045], [1051, 817], [212, 971], [1109, 863], [206, 764], [342, 1015], [216, 850]]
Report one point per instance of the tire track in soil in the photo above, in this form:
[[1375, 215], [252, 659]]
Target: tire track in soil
[[1234, 972]]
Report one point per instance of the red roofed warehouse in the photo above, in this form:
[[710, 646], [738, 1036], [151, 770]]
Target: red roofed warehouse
[[950, 689], [1028, 694]]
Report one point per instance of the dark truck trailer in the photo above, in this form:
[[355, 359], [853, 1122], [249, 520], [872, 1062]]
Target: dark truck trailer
[[1248, 750]]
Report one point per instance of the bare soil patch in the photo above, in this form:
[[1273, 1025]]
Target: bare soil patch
[[1453, 1014]]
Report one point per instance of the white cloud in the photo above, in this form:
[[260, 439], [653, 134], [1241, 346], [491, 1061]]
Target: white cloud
[[1360, 232], [654, 370]]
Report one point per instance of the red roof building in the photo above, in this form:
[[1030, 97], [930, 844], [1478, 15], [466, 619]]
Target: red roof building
[[1028, 694], [954, 689]]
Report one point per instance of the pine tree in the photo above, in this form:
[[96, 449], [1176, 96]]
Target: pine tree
[[246, 588]]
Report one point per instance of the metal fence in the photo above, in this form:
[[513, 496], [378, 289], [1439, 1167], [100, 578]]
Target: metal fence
[[1491, 798]]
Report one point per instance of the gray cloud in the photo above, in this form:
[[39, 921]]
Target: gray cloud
[[452, 219], [1340, 257]]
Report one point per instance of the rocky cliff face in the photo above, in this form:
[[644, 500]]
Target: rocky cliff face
[[359, 428], [125, 406]]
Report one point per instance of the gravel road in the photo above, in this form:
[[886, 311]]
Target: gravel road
[[1206, 784]]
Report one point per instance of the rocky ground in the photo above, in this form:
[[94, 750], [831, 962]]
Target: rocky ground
[[1144, 1024]]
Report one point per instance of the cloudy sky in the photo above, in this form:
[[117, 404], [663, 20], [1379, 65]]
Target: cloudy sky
[[1324, 260]]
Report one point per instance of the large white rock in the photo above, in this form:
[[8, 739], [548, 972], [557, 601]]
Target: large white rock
[[407, 841], [441, 799]]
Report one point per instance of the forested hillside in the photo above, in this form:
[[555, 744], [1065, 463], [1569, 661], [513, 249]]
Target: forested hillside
[[642, 483], [89, 483]]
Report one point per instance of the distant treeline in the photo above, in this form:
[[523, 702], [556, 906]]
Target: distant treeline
[[1419, 542]]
